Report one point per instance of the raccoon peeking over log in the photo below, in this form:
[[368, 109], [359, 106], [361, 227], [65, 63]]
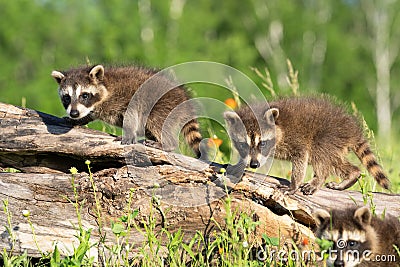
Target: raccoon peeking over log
[[304, 130], [103, 93], [359, 238]]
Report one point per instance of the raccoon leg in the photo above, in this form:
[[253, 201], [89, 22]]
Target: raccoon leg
[[299, 167], [348, 172], [130, 127], [320, 174], [159, 138], [153, 139], [312, 186]]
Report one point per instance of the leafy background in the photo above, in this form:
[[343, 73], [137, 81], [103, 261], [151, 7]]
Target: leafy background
[[347, 48]]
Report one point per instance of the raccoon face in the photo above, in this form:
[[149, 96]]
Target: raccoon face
[[253, 139], [352, 236], [79, 93]]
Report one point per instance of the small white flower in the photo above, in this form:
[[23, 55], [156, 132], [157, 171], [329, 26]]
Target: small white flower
[[245, 244]]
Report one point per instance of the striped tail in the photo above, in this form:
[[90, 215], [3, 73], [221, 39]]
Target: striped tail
[[368, 159], [192, 136]]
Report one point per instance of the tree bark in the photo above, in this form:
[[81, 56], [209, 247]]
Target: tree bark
[[190, 191]]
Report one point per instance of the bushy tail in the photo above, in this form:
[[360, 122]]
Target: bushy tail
[[192, 135], [368, 159]]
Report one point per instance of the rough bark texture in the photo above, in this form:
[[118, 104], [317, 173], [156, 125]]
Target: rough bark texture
[[44, 149]]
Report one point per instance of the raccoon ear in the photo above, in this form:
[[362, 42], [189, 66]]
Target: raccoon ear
[[97, 73], [271, 115], [362, 215], [58, 76], [321, 216], [231, 118]]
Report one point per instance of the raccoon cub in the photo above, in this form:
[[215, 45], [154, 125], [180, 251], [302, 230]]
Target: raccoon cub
[[359, 238], [104, 93], [308, 130]]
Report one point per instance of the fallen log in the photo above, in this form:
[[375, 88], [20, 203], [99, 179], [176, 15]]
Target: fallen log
[[189, 191]]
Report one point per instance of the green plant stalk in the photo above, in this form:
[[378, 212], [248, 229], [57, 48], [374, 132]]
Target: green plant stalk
[[9, 224], [397, 250], [292, 78], [130, 220], [153, 241], [266, 80], [76, 204], [98, 211], [150, 256], [98, 207], [28, 218], [368, 197], [234, 91]]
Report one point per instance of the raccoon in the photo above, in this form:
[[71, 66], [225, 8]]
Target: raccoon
[[104, 93], [359, 238], [304, 130]]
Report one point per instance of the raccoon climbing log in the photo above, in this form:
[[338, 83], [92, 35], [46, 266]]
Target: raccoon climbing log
[[313, 131], [105, 93], [44, 148]]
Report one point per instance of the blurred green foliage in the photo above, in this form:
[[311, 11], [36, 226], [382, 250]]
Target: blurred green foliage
[[327, 42]]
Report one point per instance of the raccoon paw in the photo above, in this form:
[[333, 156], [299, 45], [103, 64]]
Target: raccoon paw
[[334, 186], [288, 190], [128, 139], [308, 189], [69, 121], [77, 122], [118, 138]]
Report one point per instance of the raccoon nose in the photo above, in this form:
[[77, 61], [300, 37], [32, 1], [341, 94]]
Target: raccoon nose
[[254, 164], [339, 263], [74, 113]]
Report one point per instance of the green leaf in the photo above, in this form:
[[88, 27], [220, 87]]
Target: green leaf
[[118, 229], [134, 213], [324, 244], [123, 218], [271, 241], [189, 250], [55, 258]]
